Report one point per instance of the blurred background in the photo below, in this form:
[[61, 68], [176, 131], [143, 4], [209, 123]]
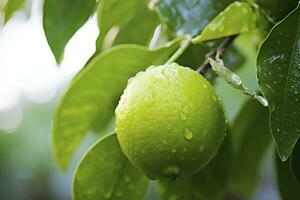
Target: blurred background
[[31, 84]]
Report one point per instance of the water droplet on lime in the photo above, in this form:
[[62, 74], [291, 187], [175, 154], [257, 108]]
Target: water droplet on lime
[[188, 134], [183, 116], [127, 179]]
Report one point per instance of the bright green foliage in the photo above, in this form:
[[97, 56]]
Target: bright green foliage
[[250, 138], [189, 17], [61, 21], [235, 19], [105, 174], [94, 92], [136, 23], [279, 79], [169, 121], [140, 29], [10, 7], [209, 183]]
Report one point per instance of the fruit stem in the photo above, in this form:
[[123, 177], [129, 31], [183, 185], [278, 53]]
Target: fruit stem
[[217, 52], [183, 46]]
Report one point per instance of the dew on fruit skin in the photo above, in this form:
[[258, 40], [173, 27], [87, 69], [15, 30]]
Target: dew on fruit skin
[[173, 151], [164, 142], [201, 148], [183, 116], [215, 99], [131, 186], [173, 197], [127, 179], [204, 86], [119, 193], [284, 133], [107, 195], [171, 170], [168, 127], [188, 134]]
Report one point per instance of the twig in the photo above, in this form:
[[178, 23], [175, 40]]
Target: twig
[[219, 51], [184, 45]]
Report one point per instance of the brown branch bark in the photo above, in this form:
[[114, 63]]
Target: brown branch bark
[[217, 51]]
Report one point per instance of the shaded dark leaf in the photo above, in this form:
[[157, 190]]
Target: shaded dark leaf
[[189, 17], [278, 72]]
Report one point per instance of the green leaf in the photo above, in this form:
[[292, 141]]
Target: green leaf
[[278, 74], [250, 138], [209, 183], [136, 23], [62, 18], [105, 174], [95, 91], [10, 7], [140, 29], [189, 17], [237, 18], [277, 9], [288, 185], [296, 161]]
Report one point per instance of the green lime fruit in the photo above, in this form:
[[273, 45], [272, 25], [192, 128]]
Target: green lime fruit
[[169, 121]]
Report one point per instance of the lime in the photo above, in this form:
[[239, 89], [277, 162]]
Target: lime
[[169, 121]]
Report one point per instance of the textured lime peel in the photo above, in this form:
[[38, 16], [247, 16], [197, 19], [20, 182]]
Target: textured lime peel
[[234, 80], [169, 121]]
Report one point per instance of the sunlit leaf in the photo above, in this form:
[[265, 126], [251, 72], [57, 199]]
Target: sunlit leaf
[[208, 183], [279, 79], [189, 17], [140, 29], [237, 18], [250, 138], [134, 21], [105, 174], [62, 18], [10, 7], [95, 91]]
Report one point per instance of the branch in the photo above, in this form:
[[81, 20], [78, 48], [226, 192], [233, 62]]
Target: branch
[[219, 51]]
